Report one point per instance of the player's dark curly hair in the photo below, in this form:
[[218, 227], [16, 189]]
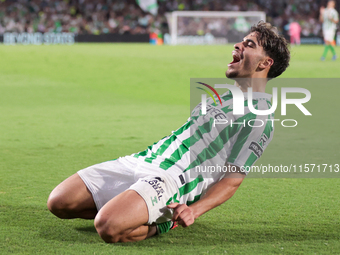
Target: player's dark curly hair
[[275, 46]]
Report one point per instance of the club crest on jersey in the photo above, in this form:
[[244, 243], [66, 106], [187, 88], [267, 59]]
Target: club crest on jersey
[[257, 147]]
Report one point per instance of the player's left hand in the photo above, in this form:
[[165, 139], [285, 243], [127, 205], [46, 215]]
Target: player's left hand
[[183, 214]]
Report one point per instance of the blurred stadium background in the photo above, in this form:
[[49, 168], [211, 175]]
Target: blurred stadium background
[[87, 17], [66, 107]]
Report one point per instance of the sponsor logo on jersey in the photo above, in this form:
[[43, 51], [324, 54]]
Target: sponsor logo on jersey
[[257, 147], [156, 183]]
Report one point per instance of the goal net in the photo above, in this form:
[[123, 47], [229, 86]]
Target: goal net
[[204, 27]]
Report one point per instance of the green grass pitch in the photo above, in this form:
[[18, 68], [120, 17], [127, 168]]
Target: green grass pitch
[[63, 108]]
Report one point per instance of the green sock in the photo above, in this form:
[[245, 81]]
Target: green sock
[[332, 50], [325, 51], [164, 227]]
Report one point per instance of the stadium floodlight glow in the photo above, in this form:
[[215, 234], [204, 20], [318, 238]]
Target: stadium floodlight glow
[[210, 27]]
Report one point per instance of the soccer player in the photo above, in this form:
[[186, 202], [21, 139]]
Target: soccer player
[[135, 197], [329, 18], [295, 33]]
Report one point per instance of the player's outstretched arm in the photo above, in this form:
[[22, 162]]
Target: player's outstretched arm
[[322, 9], [215, 196]]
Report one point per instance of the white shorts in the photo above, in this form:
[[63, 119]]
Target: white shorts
[[108, 179], [328, 35]]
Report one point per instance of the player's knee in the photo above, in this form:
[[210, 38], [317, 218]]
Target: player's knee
[[58, 206], [109, 231]]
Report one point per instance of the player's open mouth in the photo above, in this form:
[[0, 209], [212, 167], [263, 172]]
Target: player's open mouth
[[236, 58]]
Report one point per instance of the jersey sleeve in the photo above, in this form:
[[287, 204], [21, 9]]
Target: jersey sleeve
[[251, 142]]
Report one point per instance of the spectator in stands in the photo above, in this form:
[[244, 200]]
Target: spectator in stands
[[125, 16]]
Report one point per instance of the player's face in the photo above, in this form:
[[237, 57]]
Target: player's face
[[246, 58], [331, 4]]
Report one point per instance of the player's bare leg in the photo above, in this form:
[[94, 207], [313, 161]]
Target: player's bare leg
[[124, 219], [71, 199]]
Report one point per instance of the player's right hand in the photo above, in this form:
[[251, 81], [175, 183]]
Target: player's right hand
[[183, 214]]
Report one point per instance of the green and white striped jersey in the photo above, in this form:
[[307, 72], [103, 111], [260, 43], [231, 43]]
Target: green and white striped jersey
[[194, 155], [327, 15]]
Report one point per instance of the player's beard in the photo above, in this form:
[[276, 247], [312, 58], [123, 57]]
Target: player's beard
[[231, 74]]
